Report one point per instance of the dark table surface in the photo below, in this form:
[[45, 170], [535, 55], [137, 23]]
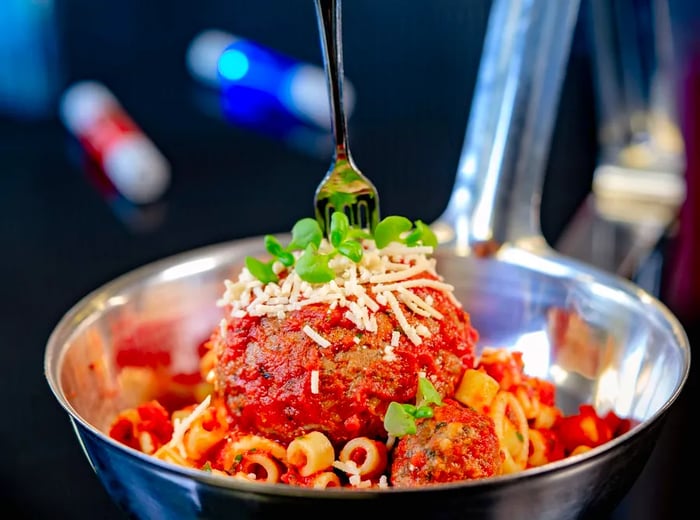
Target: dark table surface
[[62, 236]]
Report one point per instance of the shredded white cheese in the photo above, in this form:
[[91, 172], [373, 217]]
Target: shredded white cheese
[[322, 342], [314, 381], [356, 481], [389, 353], [383, 277], [395, 336], [180, 427], [349, 467]]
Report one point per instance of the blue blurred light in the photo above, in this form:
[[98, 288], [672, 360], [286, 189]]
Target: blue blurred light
[[233, 65], [246, 64], [249, 72], [30, 69]]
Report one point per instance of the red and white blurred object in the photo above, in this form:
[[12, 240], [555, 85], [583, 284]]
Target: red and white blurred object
[[131, 161], [219, 59]]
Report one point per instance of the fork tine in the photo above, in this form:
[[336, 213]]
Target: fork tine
[[344, 188], [362, 209]]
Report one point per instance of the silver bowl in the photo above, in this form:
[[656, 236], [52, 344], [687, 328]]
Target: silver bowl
[[634, 361], [598, 338]]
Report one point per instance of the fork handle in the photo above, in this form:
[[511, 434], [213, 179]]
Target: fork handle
[[329, 18]]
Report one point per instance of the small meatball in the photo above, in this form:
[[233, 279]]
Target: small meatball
[[457, 443]]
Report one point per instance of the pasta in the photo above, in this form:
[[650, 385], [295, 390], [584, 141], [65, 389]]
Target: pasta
[[368, 457], [348, 362], [311, 453]]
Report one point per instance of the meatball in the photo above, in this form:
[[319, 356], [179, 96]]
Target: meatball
[[457, 443], [277, 381]]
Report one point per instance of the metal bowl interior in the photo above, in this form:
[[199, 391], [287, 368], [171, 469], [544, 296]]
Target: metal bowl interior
[[600, 339]]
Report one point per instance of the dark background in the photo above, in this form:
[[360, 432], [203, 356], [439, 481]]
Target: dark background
[[413, 66]]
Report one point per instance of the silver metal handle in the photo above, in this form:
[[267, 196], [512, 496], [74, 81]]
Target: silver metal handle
[[496, 195], [328, 13]]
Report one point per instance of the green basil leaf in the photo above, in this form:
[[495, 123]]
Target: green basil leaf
[[352, 250], [339, 228], [275, 248], [286, 258], [306, 231], [273, 245], [426, 393], [398, 422], [427, 235], [261, 270], [358, 234], [390, 230], [313, 267]]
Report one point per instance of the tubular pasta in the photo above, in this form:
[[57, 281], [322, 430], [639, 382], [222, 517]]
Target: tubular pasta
[[171, 454], [325, 479], [530, 429], [546, 417], [529, 402], [476, 389], [369, 456], [310, 453], [580, 449], [234, 450], [207, 364], [205, 432], [538, 449], [512, 430], [261, 467]]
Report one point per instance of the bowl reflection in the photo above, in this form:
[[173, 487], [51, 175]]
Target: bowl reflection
[[600, 339]]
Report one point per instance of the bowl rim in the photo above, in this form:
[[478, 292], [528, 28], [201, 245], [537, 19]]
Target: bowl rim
[[76, 317]]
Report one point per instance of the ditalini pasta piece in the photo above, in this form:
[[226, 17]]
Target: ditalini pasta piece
[[205, 431], [369, 457], [169, 453], [261, 467], [325, 479], [310, 453], [512, 430], [236, 451]]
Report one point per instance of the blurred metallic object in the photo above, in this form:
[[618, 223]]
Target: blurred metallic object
[[344, 187], [634, 71], [509, 130], [638, 185]]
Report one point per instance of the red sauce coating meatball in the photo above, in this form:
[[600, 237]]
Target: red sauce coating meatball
[[457, 443], [264, 368]]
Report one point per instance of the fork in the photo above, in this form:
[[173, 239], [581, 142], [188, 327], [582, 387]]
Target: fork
[[344, 188]]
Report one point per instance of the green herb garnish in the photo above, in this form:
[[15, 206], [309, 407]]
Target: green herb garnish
[[426, 394], [398, 229], [313, 266], [400, 419], [344, 238]]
